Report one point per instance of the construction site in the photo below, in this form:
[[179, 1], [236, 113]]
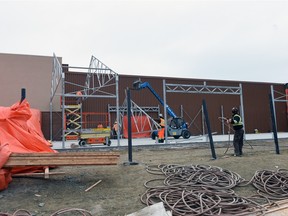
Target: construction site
[[81, 140]]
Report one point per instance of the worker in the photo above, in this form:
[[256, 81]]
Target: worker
[[115, 129], [161, 131], [79, 97], [100, 125], [237, 124]]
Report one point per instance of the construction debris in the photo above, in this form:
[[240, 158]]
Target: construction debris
[[92, 186], [153, 210]]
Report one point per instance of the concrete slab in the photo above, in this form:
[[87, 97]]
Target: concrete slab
[[148, 141]]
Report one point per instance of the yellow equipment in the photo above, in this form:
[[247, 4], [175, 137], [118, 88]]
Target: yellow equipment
[[95, 136]]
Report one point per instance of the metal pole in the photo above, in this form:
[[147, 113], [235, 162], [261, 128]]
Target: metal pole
[[130, 162], [273, 119], [203, 121], [222, 122], [165, 110], [242, 107], [117, 111], [23, 94], [63, 110], [273, 104], [51, 123], [242, 110], [209, 130], [129, 125]]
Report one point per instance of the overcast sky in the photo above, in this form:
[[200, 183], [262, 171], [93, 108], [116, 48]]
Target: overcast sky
[[224, 40]]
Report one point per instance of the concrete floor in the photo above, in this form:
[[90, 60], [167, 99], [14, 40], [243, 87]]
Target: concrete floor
[[148, 141]]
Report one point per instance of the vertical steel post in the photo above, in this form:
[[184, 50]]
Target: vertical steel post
[[23, 94], [222, 122], [63, 110], [117, 111], [130, 162], [129, 125], [273, 104], [242, 109], [273, 119], [203, 120], [165, 110], [209, 130], [51, 120]]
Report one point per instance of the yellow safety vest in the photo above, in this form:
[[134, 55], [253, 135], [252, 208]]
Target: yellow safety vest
[[238, 123]]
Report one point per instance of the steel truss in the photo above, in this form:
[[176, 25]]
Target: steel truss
[[99, 78], [124, 109], [202, 89], [137, 111]]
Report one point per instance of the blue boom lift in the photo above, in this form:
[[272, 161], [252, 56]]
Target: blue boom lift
[[176, 126]]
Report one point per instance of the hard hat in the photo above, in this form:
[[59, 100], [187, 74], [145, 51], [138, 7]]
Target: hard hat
[[234, 110], [160, 115]]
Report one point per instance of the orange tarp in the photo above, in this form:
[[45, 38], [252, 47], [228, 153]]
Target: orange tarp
[[140, 127], [21, 132]]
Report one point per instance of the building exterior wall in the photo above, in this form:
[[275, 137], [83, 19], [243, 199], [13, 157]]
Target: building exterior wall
[[255, 101], [34, 73], [30, 72]]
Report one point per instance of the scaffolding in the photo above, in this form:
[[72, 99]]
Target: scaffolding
[[99, 79], [73, 120]]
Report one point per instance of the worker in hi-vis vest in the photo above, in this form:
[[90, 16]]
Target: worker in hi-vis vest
[[237, 124], [161, 131]]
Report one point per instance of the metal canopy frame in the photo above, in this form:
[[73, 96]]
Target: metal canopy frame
[[277, 97], [98, 78], [202, 89]]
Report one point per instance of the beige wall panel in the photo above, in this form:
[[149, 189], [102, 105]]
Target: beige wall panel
[[31, 72]]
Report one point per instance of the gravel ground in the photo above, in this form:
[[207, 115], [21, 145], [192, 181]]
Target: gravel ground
[[122, 185]]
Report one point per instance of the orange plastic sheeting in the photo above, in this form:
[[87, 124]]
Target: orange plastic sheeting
[[161, 133], [20, 131], [140, 126]]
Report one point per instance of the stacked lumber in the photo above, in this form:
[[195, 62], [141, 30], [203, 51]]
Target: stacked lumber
[[62, 159]]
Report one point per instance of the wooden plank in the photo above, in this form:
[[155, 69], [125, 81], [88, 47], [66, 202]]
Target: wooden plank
[[62, 159], [41, 174], [63, 154]]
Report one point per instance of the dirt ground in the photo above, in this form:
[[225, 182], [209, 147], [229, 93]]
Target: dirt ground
[[122, 185]]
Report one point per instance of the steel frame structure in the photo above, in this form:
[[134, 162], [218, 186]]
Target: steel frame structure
[[277, 97], [136, 111], [99, 77], [202, 89]]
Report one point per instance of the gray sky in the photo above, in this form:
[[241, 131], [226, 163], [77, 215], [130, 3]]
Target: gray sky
[[226, 40]]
